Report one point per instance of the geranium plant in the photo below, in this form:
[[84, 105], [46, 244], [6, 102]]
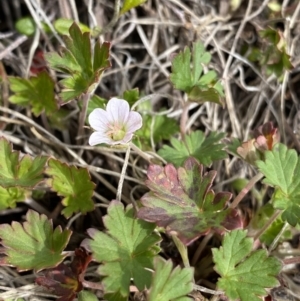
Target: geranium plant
[[179, 202]]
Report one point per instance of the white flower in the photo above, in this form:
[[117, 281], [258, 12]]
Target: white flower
[[116, 125]]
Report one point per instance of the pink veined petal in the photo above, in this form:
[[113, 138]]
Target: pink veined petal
[[127, 138], [134, 122], [98, 120], [98, 138], [117, 110]]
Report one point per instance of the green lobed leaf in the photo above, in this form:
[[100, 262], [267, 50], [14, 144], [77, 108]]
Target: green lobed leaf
[[72, 183], [125, 251], [170, 285], [37, 92], [10, 196], [182, 200], [16, 172], [187, 75], [129, 4], [245, 275], [76, 59], [281, 169], [206, 150], [33, 244]]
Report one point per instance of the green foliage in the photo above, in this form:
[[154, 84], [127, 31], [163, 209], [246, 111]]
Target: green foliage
[[273, 56], [170, 285], [261, 217], [10, 196], [282, 170], [125, 251], [62, 26], [87, 296], [76, 59], [205, 150], [182, 200], [15, 172], [26, 26], [188, 79], [72, 183], [132, 96], [129, 4], [244, 274], [37, 91], [33, 245], [160, 127]]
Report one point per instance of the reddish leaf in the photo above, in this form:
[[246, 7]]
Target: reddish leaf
[[66, 281], [182, 201]]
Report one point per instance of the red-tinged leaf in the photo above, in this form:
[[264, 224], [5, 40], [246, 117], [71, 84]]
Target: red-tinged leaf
[[38, 63], [33, 244], [182, 201], [66, 281]]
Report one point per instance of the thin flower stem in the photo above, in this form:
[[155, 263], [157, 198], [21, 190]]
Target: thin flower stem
[[200, 248], [115, 18], [245, 190], [123, 172], [183, 119], [82, 116], [182, 250], [275, 241], [267, 225]]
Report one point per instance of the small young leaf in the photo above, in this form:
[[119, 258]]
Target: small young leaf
[[244, 274], [170, 285], [129, 4], [37, 91], [125, 251], [16, 172], [206, 150], [182, 200], [282, 170], [132, 96], [62, 26], [26, 26], [188, 78], [72, 183], [77, 61], [33, 245], [10, 196], [64, 280], [158, 127]]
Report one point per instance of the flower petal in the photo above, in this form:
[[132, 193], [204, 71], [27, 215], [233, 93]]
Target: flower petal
[[98, 138], [126, 138], [117, 110], [134, 122], [98, 120]]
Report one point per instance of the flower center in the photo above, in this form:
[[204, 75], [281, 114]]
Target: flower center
[[116, 132]]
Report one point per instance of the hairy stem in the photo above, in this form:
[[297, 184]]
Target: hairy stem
[[267, 225], [82, 116], [245, 190]]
